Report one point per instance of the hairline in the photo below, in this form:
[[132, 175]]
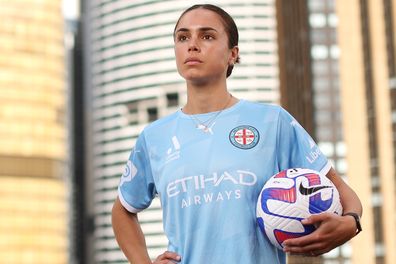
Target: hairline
[[223, 22]]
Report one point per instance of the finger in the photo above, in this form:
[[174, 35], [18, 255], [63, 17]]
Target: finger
[[298, 241], [312, 254], [169, 255], [301, 250], [166, 261], [309, 254], [172, 255], [302, 241], [315, 249], [315, 219]]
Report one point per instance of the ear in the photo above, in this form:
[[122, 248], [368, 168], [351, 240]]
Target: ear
[[234, 56]]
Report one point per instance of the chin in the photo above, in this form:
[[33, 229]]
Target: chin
[[199, 81], [193, 77]]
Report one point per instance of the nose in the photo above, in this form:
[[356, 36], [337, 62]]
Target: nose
[[193, 45]]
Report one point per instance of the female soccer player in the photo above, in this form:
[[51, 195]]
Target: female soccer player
[[208, 162]]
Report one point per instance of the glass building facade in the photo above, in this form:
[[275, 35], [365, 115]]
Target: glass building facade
[[132, 80], [323, 22], [367, 72], [33, 197]]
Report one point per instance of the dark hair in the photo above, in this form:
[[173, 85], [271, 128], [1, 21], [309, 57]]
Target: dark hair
[[229, 25]]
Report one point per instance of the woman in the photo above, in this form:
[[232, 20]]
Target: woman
[[209, 161]]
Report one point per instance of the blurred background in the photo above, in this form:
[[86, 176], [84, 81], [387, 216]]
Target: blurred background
[[79, 79]]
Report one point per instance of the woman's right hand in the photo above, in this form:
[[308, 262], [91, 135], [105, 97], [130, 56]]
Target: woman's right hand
[[167, 257]]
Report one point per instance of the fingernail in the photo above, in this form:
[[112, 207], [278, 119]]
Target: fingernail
[[178, 258]]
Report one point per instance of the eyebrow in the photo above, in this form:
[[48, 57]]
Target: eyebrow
[[202, 29]]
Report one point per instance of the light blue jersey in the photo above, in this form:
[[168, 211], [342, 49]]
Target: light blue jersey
[[209, 182]]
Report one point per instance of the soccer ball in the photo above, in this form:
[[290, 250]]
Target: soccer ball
[[290, 196]]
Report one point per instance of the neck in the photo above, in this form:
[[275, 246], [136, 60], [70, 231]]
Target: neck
[[204, 99]]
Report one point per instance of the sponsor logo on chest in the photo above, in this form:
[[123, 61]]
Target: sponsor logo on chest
[[216, 187]]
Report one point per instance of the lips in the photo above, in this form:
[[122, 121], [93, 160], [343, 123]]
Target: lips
[[192, 61]]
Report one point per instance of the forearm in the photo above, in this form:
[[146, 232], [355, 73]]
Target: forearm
[[129, 234], [349, 200]]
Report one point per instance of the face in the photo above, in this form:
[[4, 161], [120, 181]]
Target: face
[[201, 47]]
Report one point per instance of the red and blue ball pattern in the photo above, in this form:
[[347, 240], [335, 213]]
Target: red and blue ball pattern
[[290, 196]]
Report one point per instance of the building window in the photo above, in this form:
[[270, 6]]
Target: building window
[[322, 100], [320, 67], [316, 6], [132, 107], [152, 114], [334, 52], [342, 166], [131, 113], [392, 82], [319, 52], [324, 133], [321, 84], [319, 36], [332, 20], [317, 20], [327, 148], [172, 99], [341, 149]]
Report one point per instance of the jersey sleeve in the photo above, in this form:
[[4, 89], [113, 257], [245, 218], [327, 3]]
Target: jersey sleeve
[[296, 148], [137, 189]]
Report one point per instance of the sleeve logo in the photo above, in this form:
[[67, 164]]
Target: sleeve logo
[[129, 173]]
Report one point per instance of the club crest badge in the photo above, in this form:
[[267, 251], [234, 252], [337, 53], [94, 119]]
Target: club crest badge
[[244, 137]]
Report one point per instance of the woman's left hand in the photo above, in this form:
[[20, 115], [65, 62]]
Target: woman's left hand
[[332, 231]]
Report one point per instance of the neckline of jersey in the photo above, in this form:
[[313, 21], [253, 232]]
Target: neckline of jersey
[[203, 115]]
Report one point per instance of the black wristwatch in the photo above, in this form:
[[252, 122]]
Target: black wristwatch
[[357, 220]]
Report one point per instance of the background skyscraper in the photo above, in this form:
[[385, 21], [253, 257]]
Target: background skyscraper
[[33, 197], [132, 80], [361, 35], [79, 224], [295, 72], [325, 53], [367, 70]]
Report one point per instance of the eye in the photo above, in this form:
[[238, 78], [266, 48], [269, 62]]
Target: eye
[[182, 38], [207, 37]]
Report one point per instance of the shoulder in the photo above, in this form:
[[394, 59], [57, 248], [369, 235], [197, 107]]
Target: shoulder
[[263, 108]]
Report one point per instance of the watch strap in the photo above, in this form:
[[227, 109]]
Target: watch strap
[[357, 220]]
